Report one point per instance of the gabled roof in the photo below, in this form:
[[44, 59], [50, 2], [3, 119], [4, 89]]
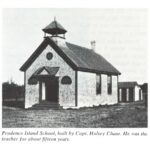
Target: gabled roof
[[87, 59], [51, 70], [127, 84], [79, 58]]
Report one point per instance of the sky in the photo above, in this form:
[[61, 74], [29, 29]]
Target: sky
[[120, 35]]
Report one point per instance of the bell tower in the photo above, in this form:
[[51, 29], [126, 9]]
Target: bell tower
[[55, 31]]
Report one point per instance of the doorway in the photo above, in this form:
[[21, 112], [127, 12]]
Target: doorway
[[52, 90], [49, 89]]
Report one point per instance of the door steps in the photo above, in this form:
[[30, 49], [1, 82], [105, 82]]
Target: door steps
[[45, 105]]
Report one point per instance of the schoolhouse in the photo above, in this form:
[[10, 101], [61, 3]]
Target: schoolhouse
[[59, 73]]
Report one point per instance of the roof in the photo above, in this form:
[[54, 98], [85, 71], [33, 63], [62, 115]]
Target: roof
[[127, 84], [79, 58], [88, 59], [51, 70], [55, 28]]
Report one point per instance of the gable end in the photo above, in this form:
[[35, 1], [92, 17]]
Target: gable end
[[39, 50]]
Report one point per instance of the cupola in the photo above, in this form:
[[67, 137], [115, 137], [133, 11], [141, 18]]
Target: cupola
[[55, 29]]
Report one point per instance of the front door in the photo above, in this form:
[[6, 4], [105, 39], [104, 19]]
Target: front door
[[51, 90]]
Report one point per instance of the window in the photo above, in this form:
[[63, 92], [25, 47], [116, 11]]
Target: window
[[66, 80], [32, 81], [109, 84], [49, 56], [98, 84]]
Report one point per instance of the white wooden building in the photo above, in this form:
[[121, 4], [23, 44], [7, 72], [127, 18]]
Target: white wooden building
[[130, 92], [59, 73]]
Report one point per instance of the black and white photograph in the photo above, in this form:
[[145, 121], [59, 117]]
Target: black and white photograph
[[74, 68]]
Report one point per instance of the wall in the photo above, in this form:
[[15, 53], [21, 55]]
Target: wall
[[136, 94], [87, 90], [66, 92], [141, 98], [137, 88], [104, 97], [120, 95]]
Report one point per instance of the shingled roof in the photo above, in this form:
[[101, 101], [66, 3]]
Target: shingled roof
[[55, 27], [79, 58], [127, 84]]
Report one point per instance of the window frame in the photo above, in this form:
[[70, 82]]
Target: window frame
[[66, 80], [109, 85], [49, 56], [98, 84]]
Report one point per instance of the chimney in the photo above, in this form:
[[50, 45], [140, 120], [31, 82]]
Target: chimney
[[93, 44]]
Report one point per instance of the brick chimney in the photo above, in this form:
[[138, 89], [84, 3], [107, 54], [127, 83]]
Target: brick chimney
[[93, 45]]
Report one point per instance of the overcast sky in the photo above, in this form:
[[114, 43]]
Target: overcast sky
[[120, 35]]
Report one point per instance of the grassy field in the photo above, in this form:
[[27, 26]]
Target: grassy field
[[115, 116]]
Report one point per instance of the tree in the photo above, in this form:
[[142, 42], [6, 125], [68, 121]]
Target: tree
[[12, 90]]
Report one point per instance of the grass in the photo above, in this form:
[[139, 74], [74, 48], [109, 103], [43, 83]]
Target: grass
[[115, 116]]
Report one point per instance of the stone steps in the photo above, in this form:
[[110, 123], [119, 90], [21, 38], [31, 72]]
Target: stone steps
[[45, 105]]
